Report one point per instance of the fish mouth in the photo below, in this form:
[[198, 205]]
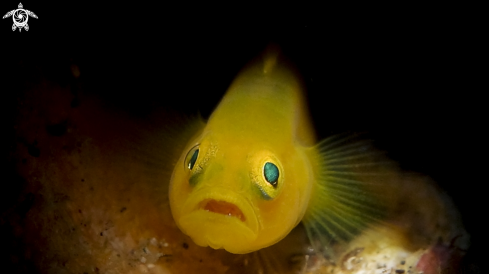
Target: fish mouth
[[222, 207], [220, 218]]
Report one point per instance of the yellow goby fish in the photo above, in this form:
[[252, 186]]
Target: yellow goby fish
[[254, 171]]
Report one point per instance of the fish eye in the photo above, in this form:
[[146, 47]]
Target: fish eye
[[271, 173], [191, 157], [267, 174]]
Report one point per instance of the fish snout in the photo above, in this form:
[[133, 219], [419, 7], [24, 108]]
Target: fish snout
[[219, 218]]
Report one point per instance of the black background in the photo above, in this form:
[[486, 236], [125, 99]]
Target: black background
[[409, 74]]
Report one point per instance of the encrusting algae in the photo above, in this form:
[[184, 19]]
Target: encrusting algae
[[251, 187]]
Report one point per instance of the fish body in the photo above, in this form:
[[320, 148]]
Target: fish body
[[254, 171], [225, 200]]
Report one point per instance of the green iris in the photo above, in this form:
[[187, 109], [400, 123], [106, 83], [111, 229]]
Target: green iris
[[193, 159], [270, 171]]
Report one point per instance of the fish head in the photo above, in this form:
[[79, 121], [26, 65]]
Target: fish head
[[231, 190]]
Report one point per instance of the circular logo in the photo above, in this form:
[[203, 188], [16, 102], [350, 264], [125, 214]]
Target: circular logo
[[20, 17]]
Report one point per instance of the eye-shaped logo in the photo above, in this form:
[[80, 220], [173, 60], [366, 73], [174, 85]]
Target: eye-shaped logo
[[20, 17]]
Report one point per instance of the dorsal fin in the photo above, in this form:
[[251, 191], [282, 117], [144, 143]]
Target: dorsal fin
[[270, 57]]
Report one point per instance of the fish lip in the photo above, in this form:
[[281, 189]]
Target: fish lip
[[200, 197], [216, 206]]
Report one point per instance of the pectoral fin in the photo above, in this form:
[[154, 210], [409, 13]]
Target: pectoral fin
[[350, 193]]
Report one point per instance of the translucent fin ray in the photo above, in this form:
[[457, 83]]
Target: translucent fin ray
[[351, 184]]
